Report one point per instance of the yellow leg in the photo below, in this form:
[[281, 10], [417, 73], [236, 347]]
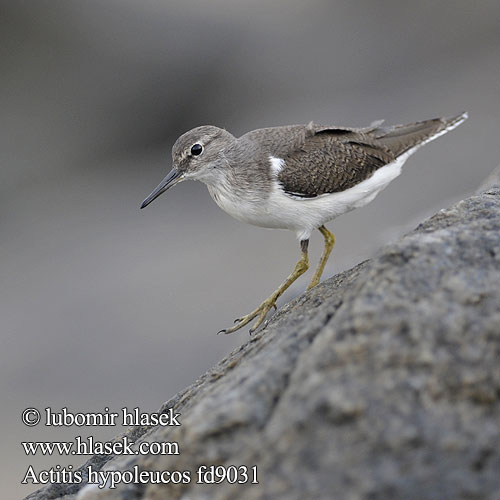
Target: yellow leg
[[329, 243], [300, 268]]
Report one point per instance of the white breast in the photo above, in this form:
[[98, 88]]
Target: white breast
[[247, 207], [302, 215]]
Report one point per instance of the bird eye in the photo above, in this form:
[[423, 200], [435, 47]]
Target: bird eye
[[196, 149]]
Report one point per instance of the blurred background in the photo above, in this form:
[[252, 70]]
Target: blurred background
[[103, 305]]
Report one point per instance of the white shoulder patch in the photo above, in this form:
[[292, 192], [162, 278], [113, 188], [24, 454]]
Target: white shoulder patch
[[276, 164]]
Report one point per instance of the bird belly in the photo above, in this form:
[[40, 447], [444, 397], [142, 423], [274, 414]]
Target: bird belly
[[279, 210], [242, 206], [303, 215]]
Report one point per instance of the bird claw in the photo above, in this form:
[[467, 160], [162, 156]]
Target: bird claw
[[261, 312]]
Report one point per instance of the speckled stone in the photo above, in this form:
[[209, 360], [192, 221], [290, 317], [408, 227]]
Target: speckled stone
[[381, 383]]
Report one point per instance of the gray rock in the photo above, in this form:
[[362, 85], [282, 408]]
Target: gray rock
[[382, 382]]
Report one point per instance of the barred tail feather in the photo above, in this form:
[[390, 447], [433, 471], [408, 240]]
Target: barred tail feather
[[407, 138]]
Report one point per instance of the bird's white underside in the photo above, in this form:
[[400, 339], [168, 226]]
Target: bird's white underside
[[303, 215]]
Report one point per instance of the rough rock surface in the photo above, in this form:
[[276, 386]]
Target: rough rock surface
[[383, 382]]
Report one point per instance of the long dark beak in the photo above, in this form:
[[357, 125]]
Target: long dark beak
[[173, 177]]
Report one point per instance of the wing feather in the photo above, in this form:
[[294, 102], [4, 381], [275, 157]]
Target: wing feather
[[331, 160]]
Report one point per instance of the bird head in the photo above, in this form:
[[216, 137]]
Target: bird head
[[196, 155]]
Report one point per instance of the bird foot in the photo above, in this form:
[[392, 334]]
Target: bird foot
[[260, 313]]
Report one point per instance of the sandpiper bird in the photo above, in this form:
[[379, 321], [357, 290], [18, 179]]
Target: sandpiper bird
[[296, 177]]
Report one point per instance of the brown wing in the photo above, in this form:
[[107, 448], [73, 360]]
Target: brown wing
[[331, 160]]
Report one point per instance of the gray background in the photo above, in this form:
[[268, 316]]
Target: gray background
[[103, 305]]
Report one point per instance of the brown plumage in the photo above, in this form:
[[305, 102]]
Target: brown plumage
[[338, 158]]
